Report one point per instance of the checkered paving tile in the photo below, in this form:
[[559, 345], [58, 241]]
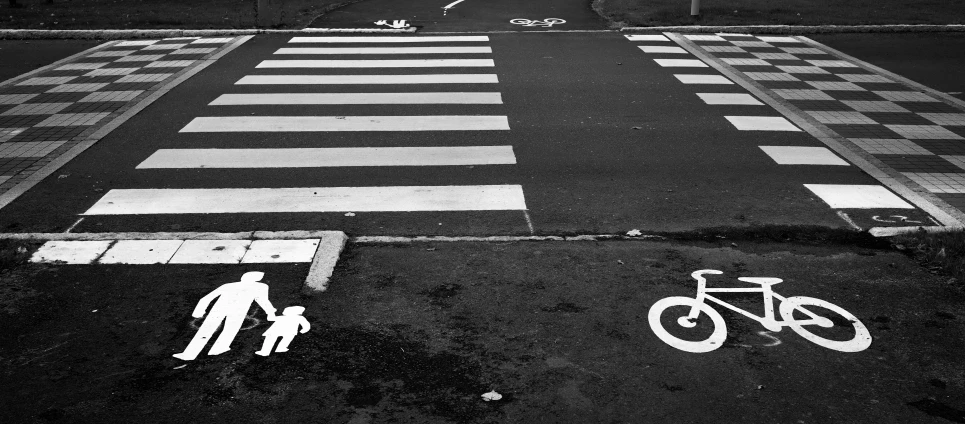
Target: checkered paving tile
[[48, 113], [913, 132]]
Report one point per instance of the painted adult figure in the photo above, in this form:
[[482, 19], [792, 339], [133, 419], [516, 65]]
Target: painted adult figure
[[234, 299]]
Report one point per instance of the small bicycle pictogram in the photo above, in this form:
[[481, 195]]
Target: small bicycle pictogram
[[546, 23]]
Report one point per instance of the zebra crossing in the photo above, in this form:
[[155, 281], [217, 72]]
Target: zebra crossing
[[311, 82]]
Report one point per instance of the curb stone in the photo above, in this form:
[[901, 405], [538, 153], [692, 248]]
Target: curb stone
[[127, 34], [801, 29]]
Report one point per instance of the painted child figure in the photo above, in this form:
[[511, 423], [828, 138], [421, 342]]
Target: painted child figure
[[286, 326]]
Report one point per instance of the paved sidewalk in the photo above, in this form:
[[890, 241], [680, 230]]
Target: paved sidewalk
[[909, 131], [45, 114]]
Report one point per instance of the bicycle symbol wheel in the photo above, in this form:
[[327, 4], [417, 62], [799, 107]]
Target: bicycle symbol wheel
[[713, 342], [520, 21], [553, 21], [860, 341]]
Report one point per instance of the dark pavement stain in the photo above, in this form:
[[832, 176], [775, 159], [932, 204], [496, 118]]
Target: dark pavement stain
[[938, 409]]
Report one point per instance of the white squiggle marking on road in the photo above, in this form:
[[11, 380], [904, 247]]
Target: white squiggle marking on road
[[776, 341], [847, 219], [450, 6]]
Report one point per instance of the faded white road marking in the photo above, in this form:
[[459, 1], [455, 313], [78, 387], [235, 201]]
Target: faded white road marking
[[728, 99], [358, 98], [387, 63], [663, 49], [330, 157], [646, 37], [846, 196], [370, 79], [680, 63], [761, 123], [310, 199], [799, 155], [399, 39], [385, 50], [346, 123], [702, 79]]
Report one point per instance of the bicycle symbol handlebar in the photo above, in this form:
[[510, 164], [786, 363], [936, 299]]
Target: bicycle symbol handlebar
[[548, 22]]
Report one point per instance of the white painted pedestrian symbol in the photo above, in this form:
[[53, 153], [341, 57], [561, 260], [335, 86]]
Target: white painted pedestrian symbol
[[789, 305], [546, 23], [285, 326], [231, 307], [397, 24]]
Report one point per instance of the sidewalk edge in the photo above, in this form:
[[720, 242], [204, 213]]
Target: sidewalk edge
[[323, 264], [799, 29], [115, 34], [31, 180], [931, 204]]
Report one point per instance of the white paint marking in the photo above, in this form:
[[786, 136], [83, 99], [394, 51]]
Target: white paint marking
[[529, 223], [74, 225], [848, 219], [663, 49], [797, 155], [386, 63], [385, 50], [280, 251], [702, 79], [358, 98], [310, 199], [399, 39], [329, 157], [647, 37], [846, 196], [728, 99], [346, 123], [70, 252], [141, 252], [370, 79], [761, 123], [680, 63], [206, 251], [453, 4]]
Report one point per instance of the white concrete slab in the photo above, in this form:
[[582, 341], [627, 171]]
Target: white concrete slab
[[346, 123], [369, 79], [280, 251], [778, 39], [329, 157], [378, 63], [761, 123], [702, 79], [846, 196], [663, 49], [646, 37], [358, 98], [70, 252], [728, 99], [211, 252], [680, 63], [141, 252], [392, 39], [799, 155], [386, 50], [310, 199]]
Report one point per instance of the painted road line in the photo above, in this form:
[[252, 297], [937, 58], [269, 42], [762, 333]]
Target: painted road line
[[797, 155], [70, 252], [663, 49], [386, 50], [728, 99], [702, 79], [141, 252], [210, 252], [310, 199], [399, 39], [346, 123], [647, 37], [358, 98], [329, 157], [680, 63], [843, 196], [387, 63], [761, 123], [368, 79]]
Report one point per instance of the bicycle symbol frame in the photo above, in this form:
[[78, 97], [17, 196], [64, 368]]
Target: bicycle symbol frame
[[546, 23], [861, 340]]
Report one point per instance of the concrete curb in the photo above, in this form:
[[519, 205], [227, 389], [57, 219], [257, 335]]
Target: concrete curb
[[117, 34], [800, 29], [894, 231], [323, 264]]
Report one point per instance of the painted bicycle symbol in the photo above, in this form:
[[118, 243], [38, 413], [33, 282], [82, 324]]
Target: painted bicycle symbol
[[901, 218], [548, 22], [789, 306]]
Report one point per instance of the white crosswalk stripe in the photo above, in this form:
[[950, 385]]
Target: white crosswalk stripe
[[307, 89]]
